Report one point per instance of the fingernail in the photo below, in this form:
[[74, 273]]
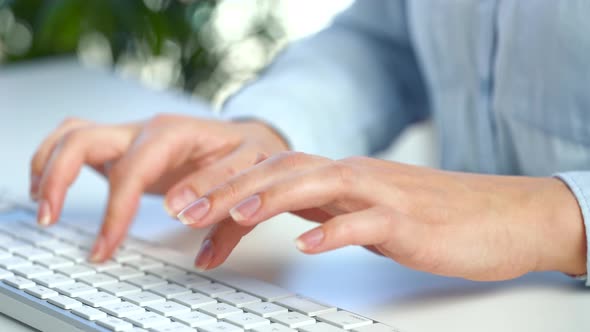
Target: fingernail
[[205, 255], [35, 179], [44, 213], [310, 240], [99, 250], [246, 208], [194, 212], [178, 202]]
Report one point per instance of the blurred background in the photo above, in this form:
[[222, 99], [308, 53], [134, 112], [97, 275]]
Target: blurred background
[[207, 48]]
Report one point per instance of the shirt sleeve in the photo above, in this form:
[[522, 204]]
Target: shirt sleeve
[[348, 90], [579, 184]]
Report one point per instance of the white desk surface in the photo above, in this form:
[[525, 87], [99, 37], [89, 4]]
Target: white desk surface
[[35, 97]]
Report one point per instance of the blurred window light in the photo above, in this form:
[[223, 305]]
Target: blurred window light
[[302, 18], [94, 50], [18, 38]]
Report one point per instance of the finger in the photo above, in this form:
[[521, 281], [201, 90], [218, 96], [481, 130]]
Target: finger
[[320, 187], [214, 206], [219, 243], [201, 181], [371, 227], [43, 152], [85, 145], [149, 157]]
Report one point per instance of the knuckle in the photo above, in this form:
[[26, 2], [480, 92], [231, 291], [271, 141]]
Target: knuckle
[[116, 174], [292, 158], [71, 121], [346, 174]]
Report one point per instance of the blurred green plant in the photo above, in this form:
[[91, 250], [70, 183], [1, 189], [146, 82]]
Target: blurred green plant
[[131, 34]]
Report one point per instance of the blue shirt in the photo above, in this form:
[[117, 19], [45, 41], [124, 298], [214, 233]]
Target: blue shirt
[[507, 84]]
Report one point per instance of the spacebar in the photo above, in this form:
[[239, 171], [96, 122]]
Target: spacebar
[[266, 291]]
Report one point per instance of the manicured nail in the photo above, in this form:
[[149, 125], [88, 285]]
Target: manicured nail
[[205, 255], [246, 208], [35, 180], [310, 240], [44, 213], [99, 250], [179, 201], [194, 212]]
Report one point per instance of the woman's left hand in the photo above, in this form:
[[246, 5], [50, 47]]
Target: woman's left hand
[[479, 227]]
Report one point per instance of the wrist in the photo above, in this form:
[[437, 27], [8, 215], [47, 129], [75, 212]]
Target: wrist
[[563, 240]]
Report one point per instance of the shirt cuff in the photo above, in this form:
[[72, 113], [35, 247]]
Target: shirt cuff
[[579, 184]]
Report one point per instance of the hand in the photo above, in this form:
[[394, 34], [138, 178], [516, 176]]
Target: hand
[[179, 156], [477, 227]]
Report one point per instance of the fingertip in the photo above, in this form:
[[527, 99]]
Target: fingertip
[[44, 216]]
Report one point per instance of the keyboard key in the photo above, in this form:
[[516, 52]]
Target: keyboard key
[[263, 290], [246, 320], [147, 281], [76, 289], [13, 262], [213, 289], [220, 327], [13, 244], [96, 280], [168, 308], [377, 327], [170, 290], [18, 282], [64, 302], [173, 327], [220, 310], [101, 267], [274, 327], [5, 274], [122, 309], [41, 292], [165, 271], [77, 255], [53, 262], [98, 299], [148, 320], [124, 273], [188, 280], [31, 271], [143, 298], [320, 327], [194, 319], [265, 309], [344, 319], [4, 253], [120, 289], [144, 263], [238, 299], [75, 271], [194, 300], [293, 319], [124, 255], [304, 305], [114, 324], [53, 280], [88, 313], [31, 253], [58, 246]]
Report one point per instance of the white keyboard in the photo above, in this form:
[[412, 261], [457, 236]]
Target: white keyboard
[[47, 283]]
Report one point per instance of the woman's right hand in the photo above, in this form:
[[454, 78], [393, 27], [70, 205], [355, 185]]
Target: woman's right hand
[[180, 157]]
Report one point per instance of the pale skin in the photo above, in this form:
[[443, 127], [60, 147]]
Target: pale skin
[[236, 175]]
